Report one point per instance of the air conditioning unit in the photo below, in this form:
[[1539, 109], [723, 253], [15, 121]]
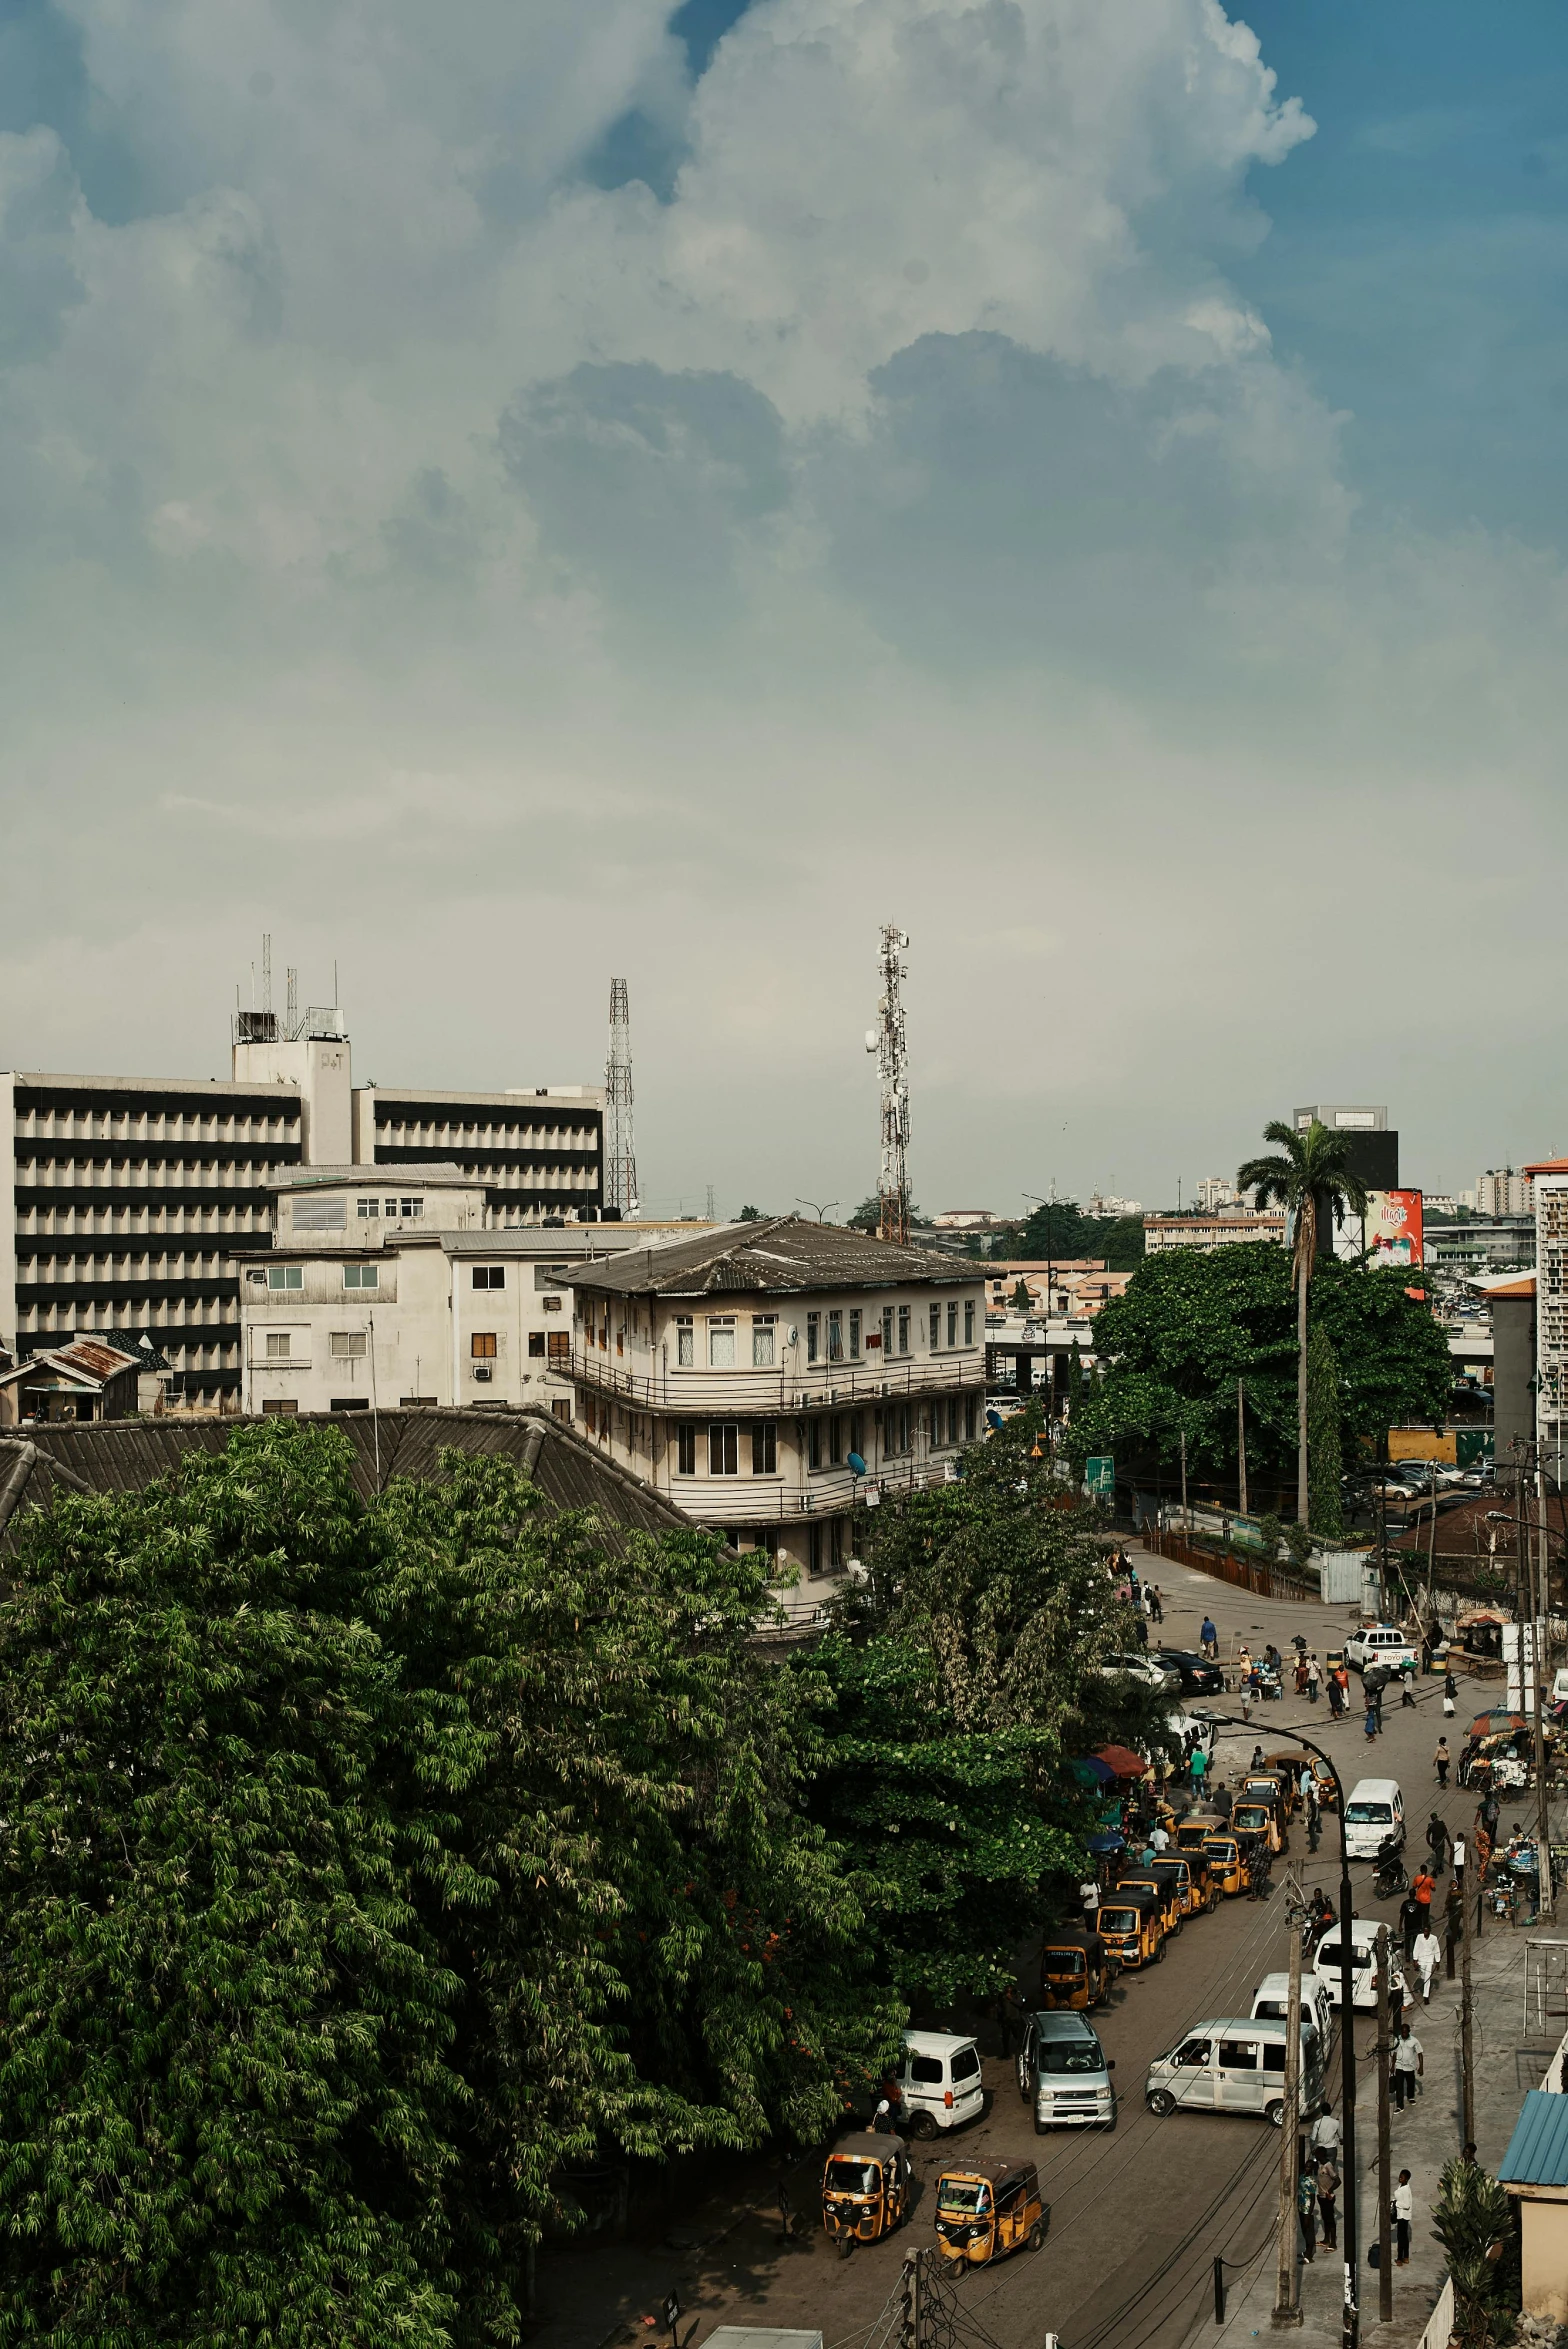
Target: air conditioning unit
[[483, 1373]]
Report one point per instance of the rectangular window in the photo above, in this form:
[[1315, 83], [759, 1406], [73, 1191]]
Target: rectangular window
[[903, 1329], [971, 1417], [361, 1276], [813, 1336], [562, 1410], [723, 1448], [814, 1534], [348, 1344], [482, 1345], [685, 1345], [408, 1209], [277, 1345], [285, 1276], [836, 1441], [813, 1443], [836, 1560], [369, 1209], [558, 1345], [952, 1321], [686, 1448], [762, 1341], [536, 1344], [489, 1276], [835, 1336], [721, 1346], [854, 1334], [969, 1321], [280, 1407], [590, 1415], [936, 1327], [887, 1329], [765, 1448]]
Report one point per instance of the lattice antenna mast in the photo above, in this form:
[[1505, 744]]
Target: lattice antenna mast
[[887, 1041], [620, 1148]]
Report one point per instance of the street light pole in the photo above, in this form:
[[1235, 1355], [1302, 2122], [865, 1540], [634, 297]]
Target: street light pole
[[1350, 2324]]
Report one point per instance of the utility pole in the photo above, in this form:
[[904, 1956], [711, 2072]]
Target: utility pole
[[1287, 2306], [1466, 2041], [909, 2314], [1186, 1521], [1241, 1442], [887, 1041], [1543, 1616], [1385, 2270]]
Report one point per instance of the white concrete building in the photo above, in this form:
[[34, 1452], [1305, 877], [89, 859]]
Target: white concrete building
[[1502, 1192], [744, 1374], [124, 1200], [1208, 1232], [1549, 1184], [395, 1291]]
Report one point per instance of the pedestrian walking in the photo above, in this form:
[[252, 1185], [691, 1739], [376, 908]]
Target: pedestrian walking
[[1307, 2212], [1437, 1841], [1089, 1901], [1375, 1683], [1159, 1841], [1222, 1798], [1421, 1890], [1336, 1697], [1209, 1638], [1197, 1769], [1156, 1602], [1427, 1953], [1325, 2138], [1403, 2213], [1327, 2179], [1442, 1759], [1370, 1723], [1407, 1691], [1409, 2063], [1314, 1677], [1410, 1916], [1490, 1812]]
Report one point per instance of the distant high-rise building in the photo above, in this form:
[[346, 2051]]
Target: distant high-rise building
[[1374, 1144], [1502, 1192]]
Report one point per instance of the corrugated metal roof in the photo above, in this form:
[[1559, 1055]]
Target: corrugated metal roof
[[1538, 2149], [784, 1257], [88, 1359], [125, 1455]]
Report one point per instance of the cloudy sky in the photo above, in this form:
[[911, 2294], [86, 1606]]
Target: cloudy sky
[[504, 495]]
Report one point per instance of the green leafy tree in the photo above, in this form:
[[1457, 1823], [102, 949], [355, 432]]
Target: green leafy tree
[[751, 1215], [1191, 1323], [1022, 1301], [1059, 1232], [365, 1868], [1323, 1426], [958, 1685], [1473, 2223], [1310, 1176]]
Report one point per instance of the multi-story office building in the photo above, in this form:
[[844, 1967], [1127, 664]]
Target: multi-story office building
[[1211, 1231], [1374, 1143], [1549, 1177], [123, 1200], [1502, 1192], [772, 1378]]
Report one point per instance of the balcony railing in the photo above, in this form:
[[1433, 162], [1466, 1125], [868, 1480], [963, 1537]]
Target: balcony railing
[[768, 1500], [822, 1386]]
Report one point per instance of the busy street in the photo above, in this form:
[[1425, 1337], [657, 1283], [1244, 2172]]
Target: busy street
[[1138, 2213]]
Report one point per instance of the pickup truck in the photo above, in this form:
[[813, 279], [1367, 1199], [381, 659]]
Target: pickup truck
[[1380, 1643]]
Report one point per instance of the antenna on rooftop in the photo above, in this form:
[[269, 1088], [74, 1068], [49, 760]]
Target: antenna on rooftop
[[888, 1042], [266, 970], [291, 1021], [620, 1148]]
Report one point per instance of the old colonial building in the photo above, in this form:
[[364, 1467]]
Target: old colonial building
[[774, 1379]]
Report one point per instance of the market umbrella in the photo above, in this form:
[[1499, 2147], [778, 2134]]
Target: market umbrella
[[1497, 1723], [1090, 1771], [1120, 1762]]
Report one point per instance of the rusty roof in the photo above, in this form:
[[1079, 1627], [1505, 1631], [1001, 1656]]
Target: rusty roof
[[787, 1255], [88, 1359], [126, 1454]]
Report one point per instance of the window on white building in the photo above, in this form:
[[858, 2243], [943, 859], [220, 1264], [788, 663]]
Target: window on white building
[[763, 1332], [277, 1345], [903, 1329], [685, 1351], [854, 1333], [835, 1336], [936, 1327], [952, 1321], [686, 1447], [361, 1276], [285, 1276], [723, 1448], [887, 1329], [489, 1276], [969, 1321], [765, 1448], [721, 1346], [813, 1336], [348, 1344], [369, 1209]]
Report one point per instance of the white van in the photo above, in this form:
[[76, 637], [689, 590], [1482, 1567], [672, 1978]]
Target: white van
[[939, 2082], [1363, 1961], [1235, 2066], [1271, 1999], [1374, 1811]]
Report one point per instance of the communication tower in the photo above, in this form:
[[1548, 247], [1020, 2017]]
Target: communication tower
[[887, 1041], [620, 1150]]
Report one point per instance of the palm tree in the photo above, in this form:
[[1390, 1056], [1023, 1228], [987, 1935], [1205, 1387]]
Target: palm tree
[[1311, 1180]]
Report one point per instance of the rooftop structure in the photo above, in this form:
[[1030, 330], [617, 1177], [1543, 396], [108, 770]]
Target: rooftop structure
[[1212, 1231]]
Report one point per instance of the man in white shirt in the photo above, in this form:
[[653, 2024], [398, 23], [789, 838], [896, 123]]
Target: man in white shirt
[[1408, 2063], [1089, 1899], [1326, 2136], [1159, 1839], [1404, 2212], [1427, 1955]]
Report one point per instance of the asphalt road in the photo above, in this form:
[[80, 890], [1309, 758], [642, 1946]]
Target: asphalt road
[[1139, 2212]]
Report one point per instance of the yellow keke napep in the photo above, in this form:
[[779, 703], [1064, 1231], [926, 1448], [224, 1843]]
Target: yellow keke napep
[[1259, 1818], [1129, 1925], [1075, 1970], [1223, 1854], [988, 2208], [1163, 1887], [865, 2191], [1192, 1832]]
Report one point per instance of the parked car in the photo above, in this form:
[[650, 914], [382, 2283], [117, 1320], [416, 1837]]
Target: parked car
[[1149, 1669], [1237, 2065], [939, 2082], [1196, 1675], [1061, 2066]]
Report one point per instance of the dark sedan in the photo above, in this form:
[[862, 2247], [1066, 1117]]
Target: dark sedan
[[1198, 1676]]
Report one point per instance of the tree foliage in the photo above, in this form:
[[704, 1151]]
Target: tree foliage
[[365, 1869], [1191, 1323], [1059, 1232], [958, 1686], [1323, 1446], [1474, 2224]]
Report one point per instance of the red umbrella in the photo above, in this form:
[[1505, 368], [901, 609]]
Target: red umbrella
[[1496, 1723], [1117, 1758]]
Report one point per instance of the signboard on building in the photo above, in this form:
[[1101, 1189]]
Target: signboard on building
[[1099, 1479], [1390, 1233]]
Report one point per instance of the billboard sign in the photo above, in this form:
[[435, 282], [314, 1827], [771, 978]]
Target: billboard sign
[[1099, 1479], [1390, 1233]]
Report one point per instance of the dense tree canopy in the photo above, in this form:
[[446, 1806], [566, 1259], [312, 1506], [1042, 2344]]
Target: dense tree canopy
[[959, 1686], [366, 1867], [1059, 1231], [1191, 1324]]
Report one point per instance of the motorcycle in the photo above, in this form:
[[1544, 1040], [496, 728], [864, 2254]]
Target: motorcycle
[[1392, 1877]]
